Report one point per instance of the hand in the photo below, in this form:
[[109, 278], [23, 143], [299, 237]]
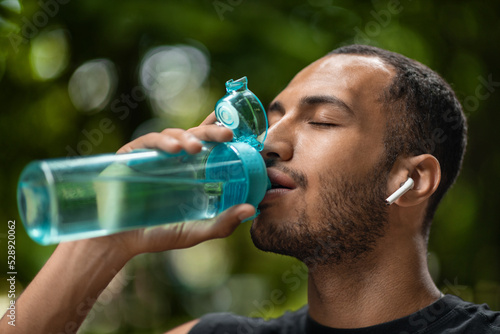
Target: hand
[[181, 235], [79, 271], [174, 140]]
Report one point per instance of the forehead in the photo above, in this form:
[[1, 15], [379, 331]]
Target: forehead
[[357, 80]]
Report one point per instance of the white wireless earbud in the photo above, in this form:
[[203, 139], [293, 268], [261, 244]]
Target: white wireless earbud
[[401, 191]]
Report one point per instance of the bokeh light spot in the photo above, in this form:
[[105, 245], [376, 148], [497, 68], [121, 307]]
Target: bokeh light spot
[[49, 54], [12, 5], [173, 78], [203, 266], [92, 85]]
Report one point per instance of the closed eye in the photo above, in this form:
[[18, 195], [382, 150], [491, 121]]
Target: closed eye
[[320, 124]]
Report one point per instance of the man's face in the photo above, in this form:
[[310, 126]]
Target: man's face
[[325, 156]]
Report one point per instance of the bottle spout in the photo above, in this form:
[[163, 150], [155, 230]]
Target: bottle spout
[[235, 85]]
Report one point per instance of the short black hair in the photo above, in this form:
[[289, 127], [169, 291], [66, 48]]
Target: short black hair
[[425, 116]]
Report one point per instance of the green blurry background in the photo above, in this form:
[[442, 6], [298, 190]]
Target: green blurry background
[[85, 77]]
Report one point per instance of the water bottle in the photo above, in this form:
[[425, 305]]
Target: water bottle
[[69, 199]]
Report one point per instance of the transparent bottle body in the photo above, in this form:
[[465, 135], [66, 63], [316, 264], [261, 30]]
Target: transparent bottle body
[[69, 199]]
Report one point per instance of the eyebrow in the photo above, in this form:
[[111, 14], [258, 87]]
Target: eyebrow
[[276, 106], [326, 99], [315, 100]]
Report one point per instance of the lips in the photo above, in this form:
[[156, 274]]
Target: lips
[[280, 180], [281, 184]]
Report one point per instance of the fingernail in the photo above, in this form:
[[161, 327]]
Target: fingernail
[[193, 139], [243, 218], [172, 141]]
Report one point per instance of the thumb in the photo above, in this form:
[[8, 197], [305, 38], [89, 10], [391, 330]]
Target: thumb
[[211, 119], [230, 219]]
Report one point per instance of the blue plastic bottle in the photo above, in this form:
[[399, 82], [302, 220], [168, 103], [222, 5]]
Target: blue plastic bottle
[[70, 199]]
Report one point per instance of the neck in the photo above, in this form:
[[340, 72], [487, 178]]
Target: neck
[[388, 284]]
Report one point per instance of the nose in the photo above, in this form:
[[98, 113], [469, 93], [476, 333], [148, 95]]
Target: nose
[[279, 142]]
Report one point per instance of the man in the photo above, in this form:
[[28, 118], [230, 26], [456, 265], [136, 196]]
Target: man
[[347, 132]]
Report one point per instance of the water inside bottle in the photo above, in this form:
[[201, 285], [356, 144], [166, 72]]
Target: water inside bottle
[[84, 207]]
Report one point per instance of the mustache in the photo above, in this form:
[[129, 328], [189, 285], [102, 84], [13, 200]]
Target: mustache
[[298, 177]]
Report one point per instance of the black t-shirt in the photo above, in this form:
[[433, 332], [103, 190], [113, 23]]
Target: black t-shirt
[[448, 315]]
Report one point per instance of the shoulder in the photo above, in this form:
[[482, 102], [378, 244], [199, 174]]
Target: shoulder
[[467, 317], [480, 311], [226, 323]]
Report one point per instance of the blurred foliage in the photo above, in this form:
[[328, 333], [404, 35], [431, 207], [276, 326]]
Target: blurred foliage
[[43, 43]]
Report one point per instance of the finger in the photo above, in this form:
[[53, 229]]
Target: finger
[[173, 140], [153, 141], [190, 139], [190, 143], [212, 132], [211, 119], [230, 219], [189, 234]]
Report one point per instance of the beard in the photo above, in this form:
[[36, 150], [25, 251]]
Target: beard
[[352, 218]]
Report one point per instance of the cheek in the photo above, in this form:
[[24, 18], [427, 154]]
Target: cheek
[[318, 158], [344, 153], [339, 150]]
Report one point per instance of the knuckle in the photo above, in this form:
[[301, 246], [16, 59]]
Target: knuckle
[[193, 130], [171, 131]]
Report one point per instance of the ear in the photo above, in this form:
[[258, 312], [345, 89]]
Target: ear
[[425, 171]]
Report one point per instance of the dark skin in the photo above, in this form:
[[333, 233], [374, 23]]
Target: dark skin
[[391, 281], [331, 106]]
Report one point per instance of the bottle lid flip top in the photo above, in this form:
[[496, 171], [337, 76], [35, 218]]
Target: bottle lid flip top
[[241, 111]]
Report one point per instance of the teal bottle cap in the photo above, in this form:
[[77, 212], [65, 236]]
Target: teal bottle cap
[[255, 170], [241, 111]]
